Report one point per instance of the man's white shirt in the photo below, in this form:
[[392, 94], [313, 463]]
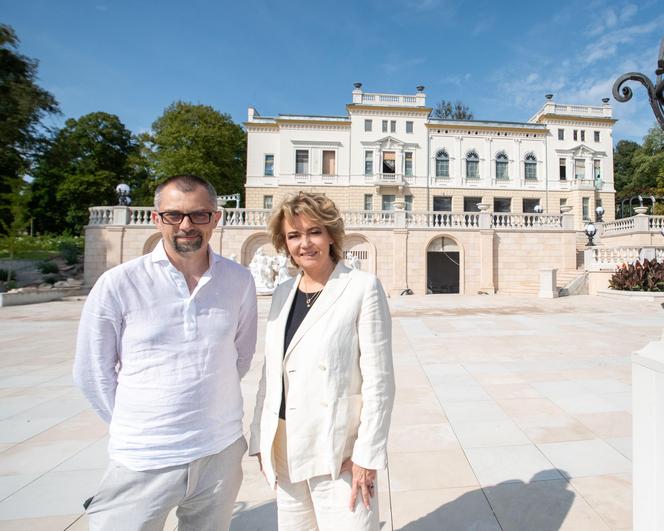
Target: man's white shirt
[[163, 365]]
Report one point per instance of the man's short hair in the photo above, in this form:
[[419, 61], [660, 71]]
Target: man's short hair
[[187, 183]]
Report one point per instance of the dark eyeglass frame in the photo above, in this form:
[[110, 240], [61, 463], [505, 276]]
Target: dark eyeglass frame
[[168, 217]]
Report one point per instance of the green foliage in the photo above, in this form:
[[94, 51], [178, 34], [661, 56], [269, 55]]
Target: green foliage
[[6, 275], [446, 110], [50, 279], [46, 267], [197, 139], [646, 276], [640, 169], [23, 105], [71, 251], [39, 247], [80, 168]]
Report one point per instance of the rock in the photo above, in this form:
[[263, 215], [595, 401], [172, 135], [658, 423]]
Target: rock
[[72, 282], [45, 285]]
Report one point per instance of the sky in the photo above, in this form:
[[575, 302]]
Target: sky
[[134, 58]]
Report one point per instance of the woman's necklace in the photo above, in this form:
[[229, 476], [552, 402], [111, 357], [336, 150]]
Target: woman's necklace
[[310, 298]]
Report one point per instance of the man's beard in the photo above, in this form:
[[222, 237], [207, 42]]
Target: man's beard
[[187, 246]]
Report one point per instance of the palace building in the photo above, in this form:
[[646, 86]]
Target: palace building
[[387, 149]]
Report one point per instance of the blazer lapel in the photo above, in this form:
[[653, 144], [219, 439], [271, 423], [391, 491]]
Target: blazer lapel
[[282, 316], [331, 292]]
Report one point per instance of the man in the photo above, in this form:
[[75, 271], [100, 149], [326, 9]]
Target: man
[[162, 344]]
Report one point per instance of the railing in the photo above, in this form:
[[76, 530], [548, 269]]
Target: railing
[[444, 220], [618, 226], [245, 217], [610, 257], [579, 109], [388, 98], [140, 216], [364, 218], [527, 221], [100, 215], [656, 223]]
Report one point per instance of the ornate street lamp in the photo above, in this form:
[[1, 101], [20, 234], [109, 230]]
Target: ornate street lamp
[[590, 231], [655, 91], [122, 191], [538, 209], [600, 212]]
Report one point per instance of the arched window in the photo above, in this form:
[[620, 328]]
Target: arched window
[[472, 165], [530, 163], [442, 164], [501, 165]]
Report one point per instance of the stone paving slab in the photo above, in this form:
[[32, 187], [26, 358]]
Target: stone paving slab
[[511, 413]]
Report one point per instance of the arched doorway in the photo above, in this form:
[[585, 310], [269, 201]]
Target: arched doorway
[[443, 266], [253, 243], [357, 247]]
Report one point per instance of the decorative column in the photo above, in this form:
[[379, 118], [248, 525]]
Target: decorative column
[[400, 251], [486, 250]]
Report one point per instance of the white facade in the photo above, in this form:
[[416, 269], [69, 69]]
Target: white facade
[[387, 148]]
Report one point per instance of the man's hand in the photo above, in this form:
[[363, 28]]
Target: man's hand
[[363, 480]]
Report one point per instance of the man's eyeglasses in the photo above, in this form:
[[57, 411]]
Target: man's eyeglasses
[[175, 218]]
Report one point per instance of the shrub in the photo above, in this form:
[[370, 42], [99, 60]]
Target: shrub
[[646, 276], [71, 251], [47, 268], [50, 279], [5, 275]]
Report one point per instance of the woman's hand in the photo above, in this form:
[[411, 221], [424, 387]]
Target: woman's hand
[[363, 480]]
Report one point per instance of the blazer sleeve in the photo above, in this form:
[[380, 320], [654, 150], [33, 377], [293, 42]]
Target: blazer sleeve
[[375, 343]]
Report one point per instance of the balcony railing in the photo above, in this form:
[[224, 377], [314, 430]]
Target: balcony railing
[[527, 221], [446, 220]]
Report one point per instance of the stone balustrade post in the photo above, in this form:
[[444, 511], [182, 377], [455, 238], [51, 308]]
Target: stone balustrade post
[[399, 214], [568, 221], [641, 223], [648, 436], [121, 215]]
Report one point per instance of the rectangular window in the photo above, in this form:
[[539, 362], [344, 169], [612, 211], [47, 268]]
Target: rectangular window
[[579, 169], [563, 169], [561, 134], [329, 162], [408, 163], [586, 208], [384, 126], [470, 204], [368, 201], [583, 135], [269, 166], [597, 173], [596, 136], [301, 162], [442, 165], [368, 163], [502, 204], [368, 125], [501, 169], [529, 204], [389, 162], [409, 203], [575, 134], [563, 201], [393, 126], [267, 202], [442, 203], [388, 202], [409, 127], [530, 167], [472, 169]]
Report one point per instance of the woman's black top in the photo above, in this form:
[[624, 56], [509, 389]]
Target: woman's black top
[[296, 315]]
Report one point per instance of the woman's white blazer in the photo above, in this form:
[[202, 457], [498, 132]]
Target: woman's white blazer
[[338, 374]]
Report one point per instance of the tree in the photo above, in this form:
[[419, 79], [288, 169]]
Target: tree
[[623, 165], [446, 110], [81, 167], [197, 139], [23, 105]]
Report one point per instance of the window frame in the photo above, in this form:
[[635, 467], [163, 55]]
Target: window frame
[[265, 171], [409, 126], [368, 125], [408, 156], [369, 160], [561, 134], [530, 163], [442, 164], [502, 162], [307, 151], [473, 158]]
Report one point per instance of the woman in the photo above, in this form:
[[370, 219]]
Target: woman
[[325, 398]]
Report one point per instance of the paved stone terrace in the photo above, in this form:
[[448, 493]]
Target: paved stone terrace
[[512, 414]]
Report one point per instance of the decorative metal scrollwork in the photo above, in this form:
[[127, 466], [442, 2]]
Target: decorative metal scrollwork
[[655, 91]]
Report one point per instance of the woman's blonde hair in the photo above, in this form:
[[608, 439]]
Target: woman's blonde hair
[[317, 208]]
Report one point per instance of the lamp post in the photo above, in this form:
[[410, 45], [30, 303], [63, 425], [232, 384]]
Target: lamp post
[[122, 191], [600, 212], [590, 231]]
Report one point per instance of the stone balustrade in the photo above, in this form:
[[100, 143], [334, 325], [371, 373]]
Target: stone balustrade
[[444, 220], [597, 258], [527, 221]]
